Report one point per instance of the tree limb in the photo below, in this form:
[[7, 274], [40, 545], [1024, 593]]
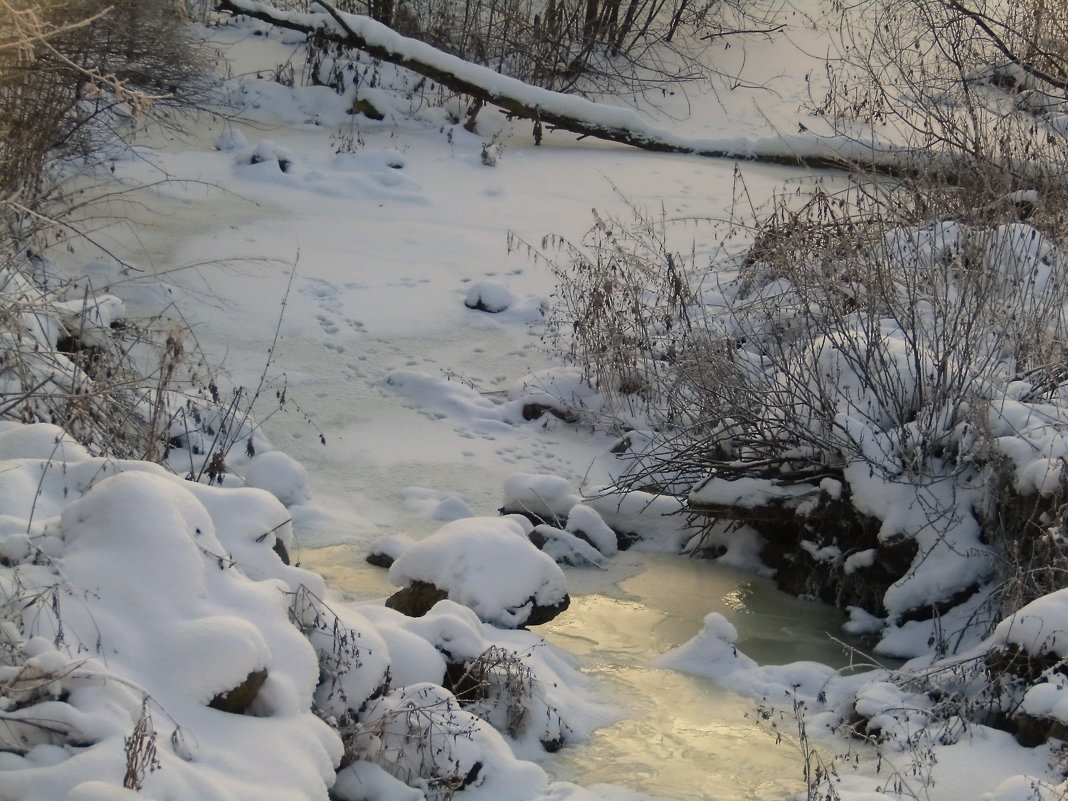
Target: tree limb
[[985, 24], [565, 112]]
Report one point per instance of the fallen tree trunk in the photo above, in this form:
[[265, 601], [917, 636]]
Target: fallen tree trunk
[[557, 110]]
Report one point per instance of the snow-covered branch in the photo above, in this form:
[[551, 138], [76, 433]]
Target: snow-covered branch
[[552, 109]]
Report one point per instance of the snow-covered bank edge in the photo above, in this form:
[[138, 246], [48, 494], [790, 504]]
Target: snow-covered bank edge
[[155, 640]]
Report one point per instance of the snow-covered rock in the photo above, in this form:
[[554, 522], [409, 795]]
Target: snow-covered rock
[[544, 496], [488, 565], [563, 391], [489, 296]]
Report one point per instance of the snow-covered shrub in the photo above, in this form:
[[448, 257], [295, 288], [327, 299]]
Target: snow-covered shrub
[[420, 735], [130, 388], [855, 380], [502, 689], [510, 679], [74, 78], [971, 92], [903, 352], [72, 73], [624, 302], [354, 660]]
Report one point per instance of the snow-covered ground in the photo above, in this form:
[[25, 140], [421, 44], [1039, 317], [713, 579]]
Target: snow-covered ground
[[366, 245]]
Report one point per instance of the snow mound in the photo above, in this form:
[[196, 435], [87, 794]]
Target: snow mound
[[567, 549], [546, 496], [711, 653], [442, 398], [434, 505], [561, 388], [585, 521], [488, 565], [231, 139], [281, 475], [390, 546], [42, 441], [1039, 628], [129, 602], [489, 296]]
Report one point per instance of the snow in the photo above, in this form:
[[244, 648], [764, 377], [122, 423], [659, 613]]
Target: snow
[[539, 494], [391, 545], [486, 564], [562, 388], [461, 745], [489, 296], [214, 605], [567, 549], [585, 520], [281, 475], [454, 630], [129, 536], [386, 230], [1023, 788], [1039, 628], [1048, 700], [712, 653], [747, 492], [859, 560]]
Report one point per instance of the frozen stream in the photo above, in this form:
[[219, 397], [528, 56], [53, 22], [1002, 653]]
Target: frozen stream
[[365, 248], [684, 737], [680, 737], [385, 297]]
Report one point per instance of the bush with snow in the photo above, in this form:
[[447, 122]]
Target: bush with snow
[[421, 735], [354, 660], [124, 387], [913, 369]]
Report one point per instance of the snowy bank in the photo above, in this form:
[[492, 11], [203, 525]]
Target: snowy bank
[[153, 639]]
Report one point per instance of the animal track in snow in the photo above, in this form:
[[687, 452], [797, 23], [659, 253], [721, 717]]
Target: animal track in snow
[[324, 293]]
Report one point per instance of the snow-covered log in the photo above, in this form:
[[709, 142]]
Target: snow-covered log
[[547, 108]]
